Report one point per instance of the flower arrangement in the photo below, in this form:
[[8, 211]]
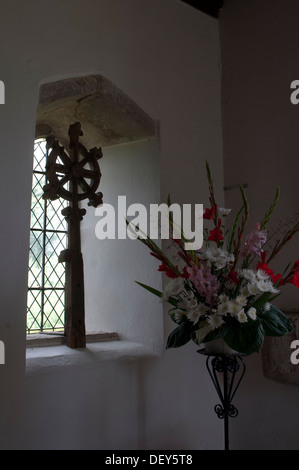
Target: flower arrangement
[[226, 289]]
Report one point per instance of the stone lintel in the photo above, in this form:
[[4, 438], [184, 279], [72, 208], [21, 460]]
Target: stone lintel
[[107, 115]]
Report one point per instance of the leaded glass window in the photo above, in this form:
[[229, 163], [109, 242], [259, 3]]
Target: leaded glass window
[[48, 237]]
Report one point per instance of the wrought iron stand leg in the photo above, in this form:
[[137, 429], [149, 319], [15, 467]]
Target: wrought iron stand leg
[[228, 366], [226, 404]]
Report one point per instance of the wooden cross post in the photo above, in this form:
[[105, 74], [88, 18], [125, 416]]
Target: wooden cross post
[[75, 170]]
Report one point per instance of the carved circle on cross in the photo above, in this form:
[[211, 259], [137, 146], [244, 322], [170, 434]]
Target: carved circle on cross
[[65, 174]]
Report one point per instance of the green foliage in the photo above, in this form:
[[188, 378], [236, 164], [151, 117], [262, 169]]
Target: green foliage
[[268, 214], [180, 335]]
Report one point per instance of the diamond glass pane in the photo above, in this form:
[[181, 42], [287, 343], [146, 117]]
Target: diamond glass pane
[[53, 309], [55, 220], [37, 202], [54, 271], [40, 155], [48, 237], [34, 317], [35, 259]]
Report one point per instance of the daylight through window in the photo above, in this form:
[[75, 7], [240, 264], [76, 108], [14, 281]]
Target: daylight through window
[[48, 237]]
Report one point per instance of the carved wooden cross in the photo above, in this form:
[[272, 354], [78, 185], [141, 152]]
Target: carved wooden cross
[[80, 170]]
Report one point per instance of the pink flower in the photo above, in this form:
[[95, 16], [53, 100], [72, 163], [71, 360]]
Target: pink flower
[[254, 241], [204, 281]]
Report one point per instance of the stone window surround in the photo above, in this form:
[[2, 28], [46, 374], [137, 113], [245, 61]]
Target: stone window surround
[[92, 100]]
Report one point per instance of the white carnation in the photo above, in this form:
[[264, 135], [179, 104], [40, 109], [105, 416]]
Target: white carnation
[[248, 274], [215, 321], [266, 286], [218, 257], [260, 274], [242, 317], [222, 308], [233, 307], [244, 291], [223, 298], [241, 299], [193, 316], [253, 288], [252, 313]]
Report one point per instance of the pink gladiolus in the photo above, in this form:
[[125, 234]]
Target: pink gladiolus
[[204, 281], [254, 241]]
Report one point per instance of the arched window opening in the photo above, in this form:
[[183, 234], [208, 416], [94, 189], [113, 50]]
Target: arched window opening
[[113, 121], [48, 237]]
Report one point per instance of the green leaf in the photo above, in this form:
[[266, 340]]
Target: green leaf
[[150, 289], [275, 322], [233, 230], [181, 335], [260, 301], [246, 338], [268, 214], [149, 243], [158, 293], [245, 200], [215, 334]]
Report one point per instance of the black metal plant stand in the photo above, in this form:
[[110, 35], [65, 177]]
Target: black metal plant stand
[[232, 369]]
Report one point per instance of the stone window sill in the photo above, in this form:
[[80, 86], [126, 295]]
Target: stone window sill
[[46, 354], [55, 339]]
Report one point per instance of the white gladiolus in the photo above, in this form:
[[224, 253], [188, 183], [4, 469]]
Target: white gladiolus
[[174, 287]]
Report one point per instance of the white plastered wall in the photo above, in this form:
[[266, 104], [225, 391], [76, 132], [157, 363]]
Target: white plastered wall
[[165, 56]]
